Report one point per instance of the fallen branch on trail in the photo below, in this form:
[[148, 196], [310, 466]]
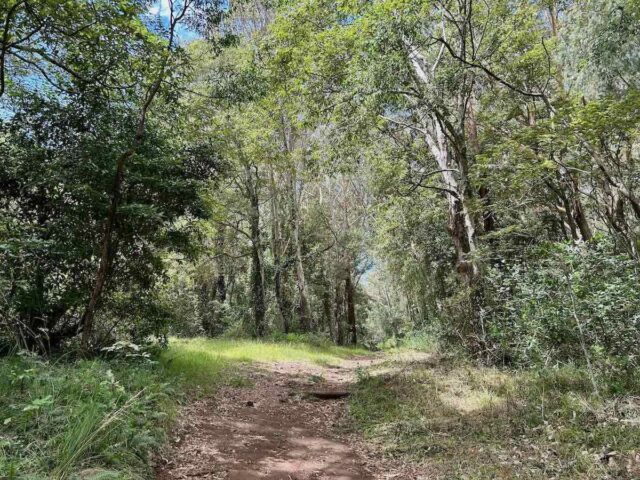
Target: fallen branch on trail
[[328, 395]]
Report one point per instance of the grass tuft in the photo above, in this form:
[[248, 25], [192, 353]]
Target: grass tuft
[[60, 418]]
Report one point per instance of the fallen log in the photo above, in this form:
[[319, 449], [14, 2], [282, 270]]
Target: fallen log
[[328, 395]]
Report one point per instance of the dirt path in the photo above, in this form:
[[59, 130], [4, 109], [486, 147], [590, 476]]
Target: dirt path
[[274, 430]]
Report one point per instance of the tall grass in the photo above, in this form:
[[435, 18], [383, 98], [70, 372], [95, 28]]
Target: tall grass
[[60, 418]]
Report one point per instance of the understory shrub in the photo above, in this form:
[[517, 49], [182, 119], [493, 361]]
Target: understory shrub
[[566, 303]]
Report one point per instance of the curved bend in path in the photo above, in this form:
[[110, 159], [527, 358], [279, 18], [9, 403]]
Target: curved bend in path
[[272, 430]]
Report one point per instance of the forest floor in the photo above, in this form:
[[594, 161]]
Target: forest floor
[[410, 415], [243, 409], [270, 426]]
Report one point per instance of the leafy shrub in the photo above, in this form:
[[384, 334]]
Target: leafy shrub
[[566, 303]]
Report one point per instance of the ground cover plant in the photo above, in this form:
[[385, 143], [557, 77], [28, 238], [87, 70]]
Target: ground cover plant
[[83, 418], [465, 421]]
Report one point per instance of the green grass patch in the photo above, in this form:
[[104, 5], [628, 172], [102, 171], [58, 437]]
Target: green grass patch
[[205, 363], [103, 419], [484, 423], [81, 419], [414, 342]]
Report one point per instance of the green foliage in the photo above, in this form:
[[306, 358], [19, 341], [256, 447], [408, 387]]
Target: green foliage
[[55, 200], [600, 46], [60, 418], [561, 295], [76, 77]]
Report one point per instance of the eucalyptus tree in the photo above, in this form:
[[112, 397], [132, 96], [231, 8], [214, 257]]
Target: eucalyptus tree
[[599, 46], [420, 71], [599, 49]]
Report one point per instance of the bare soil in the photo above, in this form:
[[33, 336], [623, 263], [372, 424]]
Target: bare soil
[[274, 430]]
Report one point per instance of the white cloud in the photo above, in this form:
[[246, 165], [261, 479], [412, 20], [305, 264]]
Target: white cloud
[[160, 7]]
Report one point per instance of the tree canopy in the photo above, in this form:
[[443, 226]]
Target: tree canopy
[[357, 171]]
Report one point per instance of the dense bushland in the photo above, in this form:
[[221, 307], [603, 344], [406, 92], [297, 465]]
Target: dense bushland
[[569, 303], [353, 173], [268, 169]]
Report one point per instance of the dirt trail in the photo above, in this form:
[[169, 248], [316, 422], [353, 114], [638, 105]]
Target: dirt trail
[[272, 430]]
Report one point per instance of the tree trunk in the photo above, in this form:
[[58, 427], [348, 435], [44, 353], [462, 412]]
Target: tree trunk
[[257, 272], [221, 283], [337, 315], [449, 148], [326, 306], [568, 179], [461, 226], [488, 219], [218, 289], [351, 310], [303, 305], [278, 250], [573, 204], [106, 249]]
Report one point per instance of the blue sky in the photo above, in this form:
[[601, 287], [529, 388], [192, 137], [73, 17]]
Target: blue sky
[[161, 9]]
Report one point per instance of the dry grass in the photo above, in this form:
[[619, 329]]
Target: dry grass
[[484, 423]]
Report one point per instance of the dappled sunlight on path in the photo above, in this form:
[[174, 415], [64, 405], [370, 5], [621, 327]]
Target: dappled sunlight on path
[[274, 430]]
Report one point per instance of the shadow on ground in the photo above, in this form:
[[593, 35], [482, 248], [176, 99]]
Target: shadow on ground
[[273, 430]]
